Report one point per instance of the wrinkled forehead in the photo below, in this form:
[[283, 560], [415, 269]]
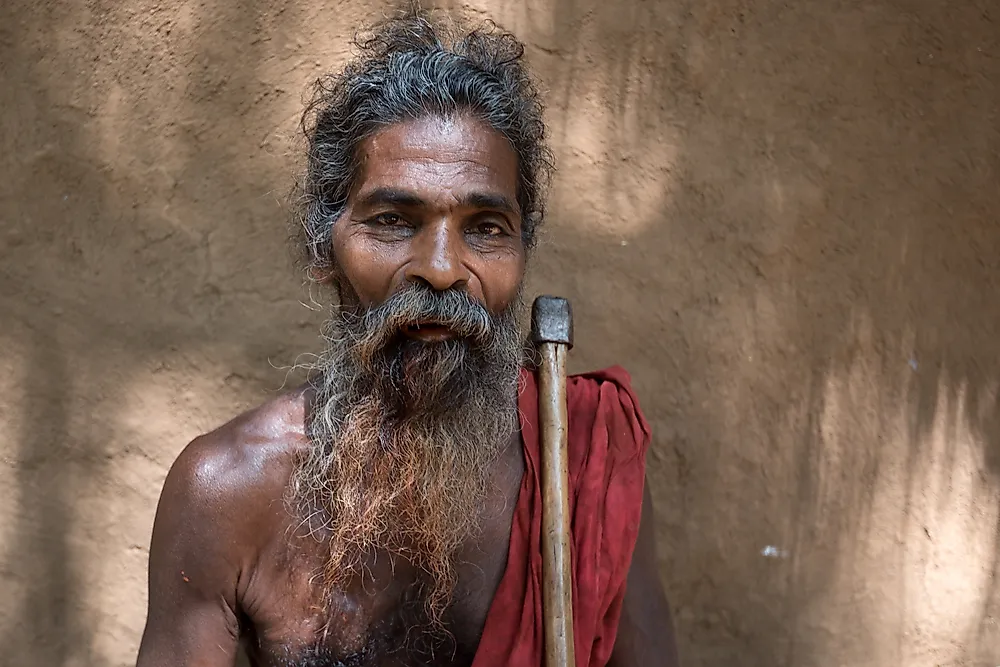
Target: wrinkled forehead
[[436, 156]]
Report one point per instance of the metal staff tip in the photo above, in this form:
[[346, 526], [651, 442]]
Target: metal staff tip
[[552, 321]]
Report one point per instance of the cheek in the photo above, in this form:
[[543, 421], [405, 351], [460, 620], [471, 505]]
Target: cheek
[[364, 269], [501, 280]]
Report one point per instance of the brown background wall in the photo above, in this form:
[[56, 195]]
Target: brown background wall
[[781, 217]]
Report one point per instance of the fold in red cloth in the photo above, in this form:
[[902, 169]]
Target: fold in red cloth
[[608, 438]]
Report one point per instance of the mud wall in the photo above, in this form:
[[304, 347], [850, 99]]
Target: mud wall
[[782, 218]]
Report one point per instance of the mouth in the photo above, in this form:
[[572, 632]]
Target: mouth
[[428, 332]]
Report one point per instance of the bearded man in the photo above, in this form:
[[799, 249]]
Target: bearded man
[[388, 511]]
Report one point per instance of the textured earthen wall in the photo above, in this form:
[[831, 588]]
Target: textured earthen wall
[[781, 217]]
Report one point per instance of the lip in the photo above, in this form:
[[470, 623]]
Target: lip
[[429, 332]]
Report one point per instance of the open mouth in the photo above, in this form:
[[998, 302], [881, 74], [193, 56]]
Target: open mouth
[[428, 331]]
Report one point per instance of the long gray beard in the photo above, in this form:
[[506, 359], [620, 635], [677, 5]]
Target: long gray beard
[[405, 433]]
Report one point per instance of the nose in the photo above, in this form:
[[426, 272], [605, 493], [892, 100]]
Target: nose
[[437, 258]]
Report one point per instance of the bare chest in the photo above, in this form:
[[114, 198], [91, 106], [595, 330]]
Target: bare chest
[[378, 620]]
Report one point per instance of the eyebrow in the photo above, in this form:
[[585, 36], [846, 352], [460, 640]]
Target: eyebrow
[[491, 200], [405, 198], [391, 196]]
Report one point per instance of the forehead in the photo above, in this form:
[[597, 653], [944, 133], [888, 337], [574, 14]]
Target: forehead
[[435, 156]]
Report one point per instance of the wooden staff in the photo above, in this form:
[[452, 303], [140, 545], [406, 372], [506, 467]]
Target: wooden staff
[[552, 333]]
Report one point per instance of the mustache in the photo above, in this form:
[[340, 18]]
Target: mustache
[[418, 304], [405, 432]]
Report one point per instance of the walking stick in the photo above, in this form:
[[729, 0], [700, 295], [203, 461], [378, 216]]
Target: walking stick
[[552, 332]]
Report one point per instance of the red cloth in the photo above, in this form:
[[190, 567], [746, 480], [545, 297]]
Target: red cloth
[[608, 438]]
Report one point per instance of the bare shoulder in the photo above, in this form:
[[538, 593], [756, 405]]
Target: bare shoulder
[[224, 494], [221, 503], [247, 460]]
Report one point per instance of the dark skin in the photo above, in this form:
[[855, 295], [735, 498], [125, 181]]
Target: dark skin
[[435, 202]]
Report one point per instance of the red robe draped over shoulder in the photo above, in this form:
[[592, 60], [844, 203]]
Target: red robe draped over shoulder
[[608, 438]]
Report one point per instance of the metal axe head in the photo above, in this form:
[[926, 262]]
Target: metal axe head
[[552, 321]]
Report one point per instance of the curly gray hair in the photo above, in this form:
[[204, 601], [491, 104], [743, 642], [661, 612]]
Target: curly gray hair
[[407, 68]]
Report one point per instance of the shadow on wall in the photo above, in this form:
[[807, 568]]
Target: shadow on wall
[[137, 266], [39, 546], [791, 209], [46, 463], [796, 224]]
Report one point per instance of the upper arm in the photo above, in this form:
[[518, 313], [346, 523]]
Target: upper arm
[[645, 629], [193, 574]]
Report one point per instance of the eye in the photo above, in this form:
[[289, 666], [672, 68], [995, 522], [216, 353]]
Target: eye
[[388, 220], [487, 228]]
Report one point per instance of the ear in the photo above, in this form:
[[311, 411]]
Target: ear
[[325, 275], [325, 270], [531, 221]]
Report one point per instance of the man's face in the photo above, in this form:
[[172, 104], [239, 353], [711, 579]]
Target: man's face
[[436, 204], [417, 398]]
